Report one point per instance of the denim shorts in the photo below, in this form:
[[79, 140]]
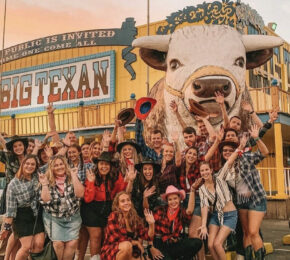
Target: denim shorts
[[230, 219], [197, 210], [62, 229], [262, 206]]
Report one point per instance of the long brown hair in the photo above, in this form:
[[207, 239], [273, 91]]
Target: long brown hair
[[49, 172], [20, 173], [134, 219]]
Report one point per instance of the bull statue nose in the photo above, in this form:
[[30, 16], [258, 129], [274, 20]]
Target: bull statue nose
[[206, 88]]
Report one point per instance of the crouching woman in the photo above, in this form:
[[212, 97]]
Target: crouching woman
[[61, 192], [170, 241], [125, 230]]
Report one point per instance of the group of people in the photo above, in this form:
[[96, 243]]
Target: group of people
[[132, 200]]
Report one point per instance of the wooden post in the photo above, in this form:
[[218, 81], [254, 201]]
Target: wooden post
[[13, 125], [275, 96], [279, 162], [81, 114]]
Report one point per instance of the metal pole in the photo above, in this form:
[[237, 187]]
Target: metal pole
[[2, 53], [148, 20]]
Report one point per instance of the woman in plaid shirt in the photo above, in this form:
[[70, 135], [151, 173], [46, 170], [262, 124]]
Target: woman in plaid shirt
[[125, 230], [170, 241], [22, 209], [60, 195]]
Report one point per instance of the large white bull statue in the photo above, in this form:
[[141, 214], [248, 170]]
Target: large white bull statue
[[200, 60]]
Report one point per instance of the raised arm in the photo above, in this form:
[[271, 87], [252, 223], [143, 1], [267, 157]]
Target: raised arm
[[247, 107], [130, 177], [79, 189], [191, 201], [208, 126], [45, 193], [261, 146], [214, 147], [178, 158], [174, 108], [219, 98], [51, 121]]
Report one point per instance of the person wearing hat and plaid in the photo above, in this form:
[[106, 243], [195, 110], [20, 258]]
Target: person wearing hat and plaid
[[101, 185], [143, 186], [129, 154], [170, 242]]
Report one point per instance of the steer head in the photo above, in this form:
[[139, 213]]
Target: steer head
[[202, 60]]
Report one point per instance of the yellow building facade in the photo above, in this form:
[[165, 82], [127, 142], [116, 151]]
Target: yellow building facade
[[49, 61]]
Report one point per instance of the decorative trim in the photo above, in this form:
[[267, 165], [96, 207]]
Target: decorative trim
[[211, 13]]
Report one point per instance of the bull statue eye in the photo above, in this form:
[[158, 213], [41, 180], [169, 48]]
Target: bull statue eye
[[174, 64], [240, 62]]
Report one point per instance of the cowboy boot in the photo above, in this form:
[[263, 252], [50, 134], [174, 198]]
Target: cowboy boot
[[249, 253], [259, 254]]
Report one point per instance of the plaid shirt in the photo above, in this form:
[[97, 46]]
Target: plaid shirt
[[82, 171], [251, 177], [21, 193], [168, 177], [115, 234], [192, 175], [55, 206], [166, 229], [11, 164], [145, 150]]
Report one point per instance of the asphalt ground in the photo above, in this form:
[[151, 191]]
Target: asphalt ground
[[273, 231]]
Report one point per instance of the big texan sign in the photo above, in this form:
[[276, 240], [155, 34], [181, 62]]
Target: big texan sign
[[89, 78]]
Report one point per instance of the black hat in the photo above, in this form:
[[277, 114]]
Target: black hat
[[104, 156], [228, 143], [14, 139], [126, 115], [156, 165], [128, 142]]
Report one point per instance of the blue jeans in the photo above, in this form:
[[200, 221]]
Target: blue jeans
[[262, 206], [230, 219]]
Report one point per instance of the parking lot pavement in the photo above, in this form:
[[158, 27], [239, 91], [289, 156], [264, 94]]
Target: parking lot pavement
[[273, 231]]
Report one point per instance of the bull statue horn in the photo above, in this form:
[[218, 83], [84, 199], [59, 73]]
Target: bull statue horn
[[156, 42], [260, 42]]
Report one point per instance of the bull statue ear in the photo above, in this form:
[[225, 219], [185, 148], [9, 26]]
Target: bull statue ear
[[259, 48], [153, 50]]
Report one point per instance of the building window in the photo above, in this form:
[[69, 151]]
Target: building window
[[277, 53], [252, 29]]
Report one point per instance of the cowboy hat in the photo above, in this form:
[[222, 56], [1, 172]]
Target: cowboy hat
[[126, 115], [16, 138], [156, 165], [104, 156], [173, 190], [144, 106], [128, 142]]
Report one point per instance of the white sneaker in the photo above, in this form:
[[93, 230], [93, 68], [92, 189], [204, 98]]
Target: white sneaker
[[240, 257]]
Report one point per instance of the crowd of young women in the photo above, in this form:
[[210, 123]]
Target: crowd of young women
[[128, 205]]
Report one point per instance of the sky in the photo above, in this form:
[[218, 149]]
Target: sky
[[32, 19]]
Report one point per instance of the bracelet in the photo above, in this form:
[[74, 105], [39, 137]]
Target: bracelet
[[252, 112], [7, 226], [256, 139]]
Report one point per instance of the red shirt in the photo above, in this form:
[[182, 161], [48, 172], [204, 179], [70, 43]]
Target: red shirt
[[98, 193]]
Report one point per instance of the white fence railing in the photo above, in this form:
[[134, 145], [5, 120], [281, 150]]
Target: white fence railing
[[269, 180]]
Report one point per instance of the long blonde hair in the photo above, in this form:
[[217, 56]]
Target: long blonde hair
[[133, 218], [123, 164], [49, 172]]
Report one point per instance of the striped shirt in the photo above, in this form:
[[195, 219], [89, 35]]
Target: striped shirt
[[221, 191]]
